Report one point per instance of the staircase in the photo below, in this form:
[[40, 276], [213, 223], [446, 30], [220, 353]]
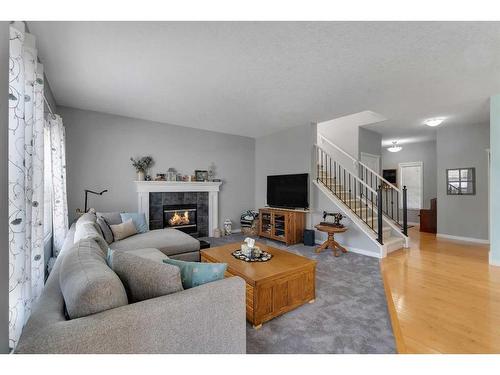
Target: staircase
[[375, 205]]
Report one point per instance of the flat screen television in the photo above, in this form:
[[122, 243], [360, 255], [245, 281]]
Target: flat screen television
[[288, 190]]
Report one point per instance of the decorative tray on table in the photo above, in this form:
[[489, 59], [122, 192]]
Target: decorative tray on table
[[263, 257]]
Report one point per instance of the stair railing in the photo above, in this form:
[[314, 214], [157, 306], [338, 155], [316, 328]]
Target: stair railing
[[394, 198], [364, 201]]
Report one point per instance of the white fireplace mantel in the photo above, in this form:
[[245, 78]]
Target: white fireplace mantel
[[143, 189]]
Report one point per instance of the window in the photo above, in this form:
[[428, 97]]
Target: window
[[461, 181], [411, 176], [47, 182]]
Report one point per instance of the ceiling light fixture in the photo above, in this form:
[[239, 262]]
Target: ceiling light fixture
[[434, 121], [395, 147]]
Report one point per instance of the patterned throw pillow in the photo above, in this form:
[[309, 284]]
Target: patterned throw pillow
[[139, 220], [196, 273]]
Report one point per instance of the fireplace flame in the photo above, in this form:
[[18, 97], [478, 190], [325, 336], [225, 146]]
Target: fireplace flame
[[179, 219]]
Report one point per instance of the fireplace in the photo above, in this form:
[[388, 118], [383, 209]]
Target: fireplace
[[153, 195], [181, 216]]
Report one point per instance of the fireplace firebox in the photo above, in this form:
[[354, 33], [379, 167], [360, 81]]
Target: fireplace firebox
[[180, 216]]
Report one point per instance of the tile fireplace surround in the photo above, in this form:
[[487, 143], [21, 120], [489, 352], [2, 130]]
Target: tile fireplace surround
[[148, 199]]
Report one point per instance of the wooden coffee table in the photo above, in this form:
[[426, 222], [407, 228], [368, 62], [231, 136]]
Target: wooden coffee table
[[273, 288]]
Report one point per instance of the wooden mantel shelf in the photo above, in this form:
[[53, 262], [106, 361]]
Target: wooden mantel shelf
[[176, 186]]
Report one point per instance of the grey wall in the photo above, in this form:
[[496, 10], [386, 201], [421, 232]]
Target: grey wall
[[421, 151], [4, 248], [284, 152], [463, 146], [369, 142], [290, 151], [344, 134], [99, 147]]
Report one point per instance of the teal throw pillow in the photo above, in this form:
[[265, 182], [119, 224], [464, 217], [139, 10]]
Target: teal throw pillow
[[196, 273], [138, 219]]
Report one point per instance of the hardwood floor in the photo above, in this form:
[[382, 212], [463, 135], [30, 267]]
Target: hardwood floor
[[443, 296]]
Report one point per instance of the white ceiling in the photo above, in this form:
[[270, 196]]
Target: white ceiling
[[256, 78]]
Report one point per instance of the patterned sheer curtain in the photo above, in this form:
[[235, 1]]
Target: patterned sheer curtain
[[26, 188], [58, 159]]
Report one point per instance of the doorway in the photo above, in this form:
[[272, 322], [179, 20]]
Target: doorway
[[411, 175]]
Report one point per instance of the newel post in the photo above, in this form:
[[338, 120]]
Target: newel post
[[405, 212]]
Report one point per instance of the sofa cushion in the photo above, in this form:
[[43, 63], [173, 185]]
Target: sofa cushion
[[168, 241], [123, 230], [87, 283], [139, 220], [196, 273], [112, 218], [144, 278], [87, 217], [105, 229], [149, 253], [88, 231]]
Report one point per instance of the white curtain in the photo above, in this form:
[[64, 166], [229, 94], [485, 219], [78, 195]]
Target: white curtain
[[26, 126], [59, 199]]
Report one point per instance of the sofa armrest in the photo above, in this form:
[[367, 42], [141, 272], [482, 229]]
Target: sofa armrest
[[206, 319]]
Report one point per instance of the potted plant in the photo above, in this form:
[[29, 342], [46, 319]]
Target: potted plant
[[141, 166]]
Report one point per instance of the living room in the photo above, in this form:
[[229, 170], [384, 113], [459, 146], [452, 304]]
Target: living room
[[190, 170]]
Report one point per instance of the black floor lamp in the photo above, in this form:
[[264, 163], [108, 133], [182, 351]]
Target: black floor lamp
[[92, 192]]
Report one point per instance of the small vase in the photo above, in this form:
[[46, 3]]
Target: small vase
[[140, 176]]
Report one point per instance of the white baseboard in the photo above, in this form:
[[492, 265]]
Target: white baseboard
[[493, 262], [355, 250], [412, 223], [465, 239]]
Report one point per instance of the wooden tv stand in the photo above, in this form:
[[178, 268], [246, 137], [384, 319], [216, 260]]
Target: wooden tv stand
[[282, 224]]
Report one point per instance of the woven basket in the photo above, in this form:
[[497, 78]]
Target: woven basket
[[252, 231]]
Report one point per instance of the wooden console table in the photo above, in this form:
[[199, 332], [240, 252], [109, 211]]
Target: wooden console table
[[330, 242], [282, 225]]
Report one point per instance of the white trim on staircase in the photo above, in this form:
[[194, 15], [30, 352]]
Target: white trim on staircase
[[465, 239], [355, 250], [349, 213]]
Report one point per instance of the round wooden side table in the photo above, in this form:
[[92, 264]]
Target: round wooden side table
[[330, 242]]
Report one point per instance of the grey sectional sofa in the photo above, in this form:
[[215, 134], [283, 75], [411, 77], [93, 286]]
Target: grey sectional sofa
[[205, 319]]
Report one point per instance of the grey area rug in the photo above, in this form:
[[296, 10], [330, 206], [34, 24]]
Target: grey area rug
[[349, 315]]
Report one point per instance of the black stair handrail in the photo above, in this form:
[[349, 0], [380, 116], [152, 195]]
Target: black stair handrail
[[394, 201], [391, 196], [347, 187]]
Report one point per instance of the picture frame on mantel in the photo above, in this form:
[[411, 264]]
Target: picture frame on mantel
[[201, 175]]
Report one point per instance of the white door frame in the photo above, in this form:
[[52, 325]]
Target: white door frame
[[378, 157], [412, 164]]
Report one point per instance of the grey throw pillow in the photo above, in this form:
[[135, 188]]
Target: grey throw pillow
[[87, 284], [105, 229], [144, 278], [112, 218]]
